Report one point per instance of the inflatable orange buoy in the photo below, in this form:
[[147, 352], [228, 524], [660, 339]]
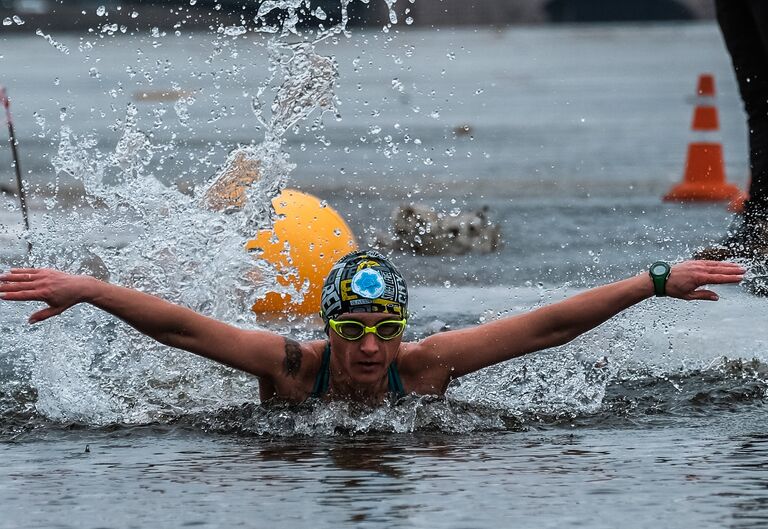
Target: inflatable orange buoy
[[305, 242], [704, 177]]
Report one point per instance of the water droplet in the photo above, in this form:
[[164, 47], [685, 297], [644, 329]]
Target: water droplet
[[234, 31], [101, 11]]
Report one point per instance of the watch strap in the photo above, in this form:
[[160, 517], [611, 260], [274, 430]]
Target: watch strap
[[660, 280]]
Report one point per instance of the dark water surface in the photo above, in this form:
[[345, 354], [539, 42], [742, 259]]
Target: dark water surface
[[705, 475]]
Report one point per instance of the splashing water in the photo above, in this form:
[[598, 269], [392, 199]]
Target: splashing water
[[137, 232], [85, 367]]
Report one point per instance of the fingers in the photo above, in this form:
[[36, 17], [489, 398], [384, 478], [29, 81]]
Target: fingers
[[20, 275], [45, 314], [19, 294], [22, 284], [717, 267], [727, 270], [21, 280], [16, 287], [702, 295], [717, 279], [708, 272], [713, 265]]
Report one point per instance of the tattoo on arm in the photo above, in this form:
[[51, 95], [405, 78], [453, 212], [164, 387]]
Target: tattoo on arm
[[292, 361]]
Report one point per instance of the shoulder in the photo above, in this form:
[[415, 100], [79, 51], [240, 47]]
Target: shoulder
[[302, 358], [414, 356], [294, 377], [422, 369]]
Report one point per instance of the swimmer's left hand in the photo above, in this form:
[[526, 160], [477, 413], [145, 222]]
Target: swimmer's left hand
[[686, 278]]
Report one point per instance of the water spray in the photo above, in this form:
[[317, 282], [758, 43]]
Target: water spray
[[17, 166]]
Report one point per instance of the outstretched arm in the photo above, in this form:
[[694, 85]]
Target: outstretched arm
[[467, 350], [258, 352]]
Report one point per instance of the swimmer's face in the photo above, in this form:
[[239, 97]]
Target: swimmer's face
[[366, 359]]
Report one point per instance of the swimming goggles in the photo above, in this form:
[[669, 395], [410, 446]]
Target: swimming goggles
[[354, 330]]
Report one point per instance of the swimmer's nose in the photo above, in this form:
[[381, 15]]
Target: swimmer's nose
[[369, 344]]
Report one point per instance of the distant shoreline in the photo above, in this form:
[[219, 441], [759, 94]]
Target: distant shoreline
[[139, 17], [133, 17]]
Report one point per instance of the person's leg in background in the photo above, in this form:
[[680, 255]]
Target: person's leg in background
[[744, 25]]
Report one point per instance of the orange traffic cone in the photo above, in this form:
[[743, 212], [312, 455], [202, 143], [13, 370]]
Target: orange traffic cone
[[704, 178]]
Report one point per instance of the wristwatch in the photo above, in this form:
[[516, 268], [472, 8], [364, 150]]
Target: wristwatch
[[659, 273]]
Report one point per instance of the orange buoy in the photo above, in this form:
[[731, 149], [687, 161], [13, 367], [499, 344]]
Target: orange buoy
[[704, 175], [306, 240]]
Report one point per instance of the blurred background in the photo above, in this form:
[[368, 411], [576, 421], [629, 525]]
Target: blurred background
[[73, 13], [565, 120]]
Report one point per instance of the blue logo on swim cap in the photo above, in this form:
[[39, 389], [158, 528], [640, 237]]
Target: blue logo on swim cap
[[368, 283]]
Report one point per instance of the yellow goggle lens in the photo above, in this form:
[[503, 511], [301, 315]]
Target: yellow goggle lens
[[354, 330]]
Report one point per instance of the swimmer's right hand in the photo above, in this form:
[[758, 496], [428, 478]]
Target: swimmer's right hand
[[59, 290]]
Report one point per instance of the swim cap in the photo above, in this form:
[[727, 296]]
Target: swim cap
[[363, 281]]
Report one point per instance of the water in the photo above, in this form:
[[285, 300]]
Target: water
[[543, 479], [575, 134]]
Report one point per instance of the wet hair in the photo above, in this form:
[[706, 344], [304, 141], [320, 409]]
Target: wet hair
[[363, 281]]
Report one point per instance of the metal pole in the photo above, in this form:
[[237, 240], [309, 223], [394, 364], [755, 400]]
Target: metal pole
[[17, 166]]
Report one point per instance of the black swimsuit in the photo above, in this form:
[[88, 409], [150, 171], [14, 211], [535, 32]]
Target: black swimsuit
[[323, 379]]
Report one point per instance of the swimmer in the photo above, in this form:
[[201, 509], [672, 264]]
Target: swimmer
[[364, 306]]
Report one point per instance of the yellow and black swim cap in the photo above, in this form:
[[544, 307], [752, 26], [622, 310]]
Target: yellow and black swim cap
[[364, 281]]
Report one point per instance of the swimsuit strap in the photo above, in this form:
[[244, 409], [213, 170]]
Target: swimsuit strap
[[323, 379], [395, 384]]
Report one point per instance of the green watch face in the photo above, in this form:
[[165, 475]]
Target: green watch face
[[659, 269]]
